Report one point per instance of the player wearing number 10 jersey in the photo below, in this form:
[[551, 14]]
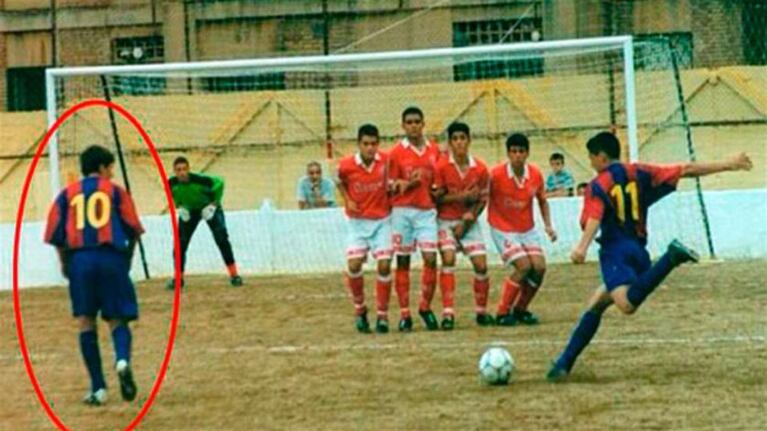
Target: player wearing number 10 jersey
[[94, 226], [616, 202]]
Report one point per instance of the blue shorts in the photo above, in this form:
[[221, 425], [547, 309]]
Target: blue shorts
[[99, 281], [622, 262]]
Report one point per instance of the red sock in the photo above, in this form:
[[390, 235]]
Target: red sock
[[509, 294], [447, 287], [525, 297], [481, 289], [356, 284], [232, 268], [402, 286], [428, 286], [383, 293]]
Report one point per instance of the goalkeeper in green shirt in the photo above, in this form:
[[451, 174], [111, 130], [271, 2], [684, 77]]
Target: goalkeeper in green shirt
[[198, 197]]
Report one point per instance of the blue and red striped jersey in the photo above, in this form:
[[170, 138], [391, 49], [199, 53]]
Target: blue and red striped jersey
[[90, 213], [620, 196]]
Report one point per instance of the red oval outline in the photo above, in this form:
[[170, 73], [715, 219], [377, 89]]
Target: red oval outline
[[177, 258]]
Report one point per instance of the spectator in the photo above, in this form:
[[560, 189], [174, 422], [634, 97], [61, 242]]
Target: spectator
[[313, 190], [560, 182], [581, 189]]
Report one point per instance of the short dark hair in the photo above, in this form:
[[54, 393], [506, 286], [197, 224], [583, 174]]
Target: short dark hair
[[557, 156], [584, 185], [411, 110], [179, 160], [367, 130], [93, 158], [456, 127], [314, 163], [517, 140], [605, 142]]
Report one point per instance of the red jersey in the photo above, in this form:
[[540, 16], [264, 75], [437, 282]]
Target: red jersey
[[448, 175], [511, 198], [90, 213], [365, 186], [620, 196], [404, 159]]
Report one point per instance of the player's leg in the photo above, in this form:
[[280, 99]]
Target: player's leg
[[89, 348], [425, 232], [512, 287], [403, 242], [530, 286], [355, 282], [217, 226], [185, 231], [382, 253], [582, 334], [473, 245], [447, 286]]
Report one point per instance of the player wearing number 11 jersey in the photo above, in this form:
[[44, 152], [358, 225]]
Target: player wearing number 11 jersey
[[616, 202], [94, 226]]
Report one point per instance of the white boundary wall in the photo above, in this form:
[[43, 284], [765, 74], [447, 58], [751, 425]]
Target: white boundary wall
[[269, 241]]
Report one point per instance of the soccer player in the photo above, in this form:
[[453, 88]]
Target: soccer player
[[462, 187], [362, 183], [94, 226], [414, 215], [616, 203], [513, 186], [198, 197]]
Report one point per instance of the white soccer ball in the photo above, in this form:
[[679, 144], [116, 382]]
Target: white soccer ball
[[496, 366]]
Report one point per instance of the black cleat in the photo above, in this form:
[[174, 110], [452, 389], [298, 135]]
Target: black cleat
[[679, 253], [127, 385], [382, 326], [484, 319], [406, 324], [171, 284], [526, 318], [236, 281], [448, 323], [362, 324], [429, 319], [556, 373], [505, 320]]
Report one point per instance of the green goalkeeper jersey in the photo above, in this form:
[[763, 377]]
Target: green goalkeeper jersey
[[197, 193]]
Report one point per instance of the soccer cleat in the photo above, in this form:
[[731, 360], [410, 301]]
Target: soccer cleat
[[429, 319], [526, 318], [556, 373], [171, 284], [679, 253], [484, 319], [98, 398], [127, 385], [448, 323], [362, 324], [382, 326], [236, 281], [505, 320], [406, 324]]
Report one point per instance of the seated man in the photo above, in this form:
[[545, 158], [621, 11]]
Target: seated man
[[313, 190], [560, 181]]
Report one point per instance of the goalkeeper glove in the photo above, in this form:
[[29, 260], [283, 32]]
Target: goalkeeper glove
[[183, 214], [208, 212]]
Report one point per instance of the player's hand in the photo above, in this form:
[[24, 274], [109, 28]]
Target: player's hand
[[415, 178], [459, 230], [183, 214], [352, 206], [741, 162], [208, 212], [578, 255], [471, 195], [551, 233], [468, 217]]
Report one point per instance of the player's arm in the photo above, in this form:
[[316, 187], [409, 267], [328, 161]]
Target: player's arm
[[342, 187], [543, 203], [55, 230], [578, 254], [740, 162]]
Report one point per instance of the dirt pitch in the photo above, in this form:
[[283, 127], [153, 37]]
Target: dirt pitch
[[281, 353]]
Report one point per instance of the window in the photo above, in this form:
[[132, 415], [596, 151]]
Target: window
[[653, 54], [755, 32], [474, 33], [26, 88], [264, 81], [138, 50]]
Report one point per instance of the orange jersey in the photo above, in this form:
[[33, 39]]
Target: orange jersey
[[365, 186], [511, 198], [404, 160], [449, 177]]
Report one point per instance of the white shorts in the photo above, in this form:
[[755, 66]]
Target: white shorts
[[513, 245], [369, 236], [411, 227], [472, 243]]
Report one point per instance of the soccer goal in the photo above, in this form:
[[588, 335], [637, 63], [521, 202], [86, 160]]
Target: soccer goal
[[258, 122]]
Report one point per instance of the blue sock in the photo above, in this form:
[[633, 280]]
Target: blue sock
[[582, 334], [121, 338], [649, 280], [89, 346]]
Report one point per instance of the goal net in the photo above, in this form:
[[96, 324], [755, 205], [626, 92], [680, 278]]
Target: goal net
[[257, 123]]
